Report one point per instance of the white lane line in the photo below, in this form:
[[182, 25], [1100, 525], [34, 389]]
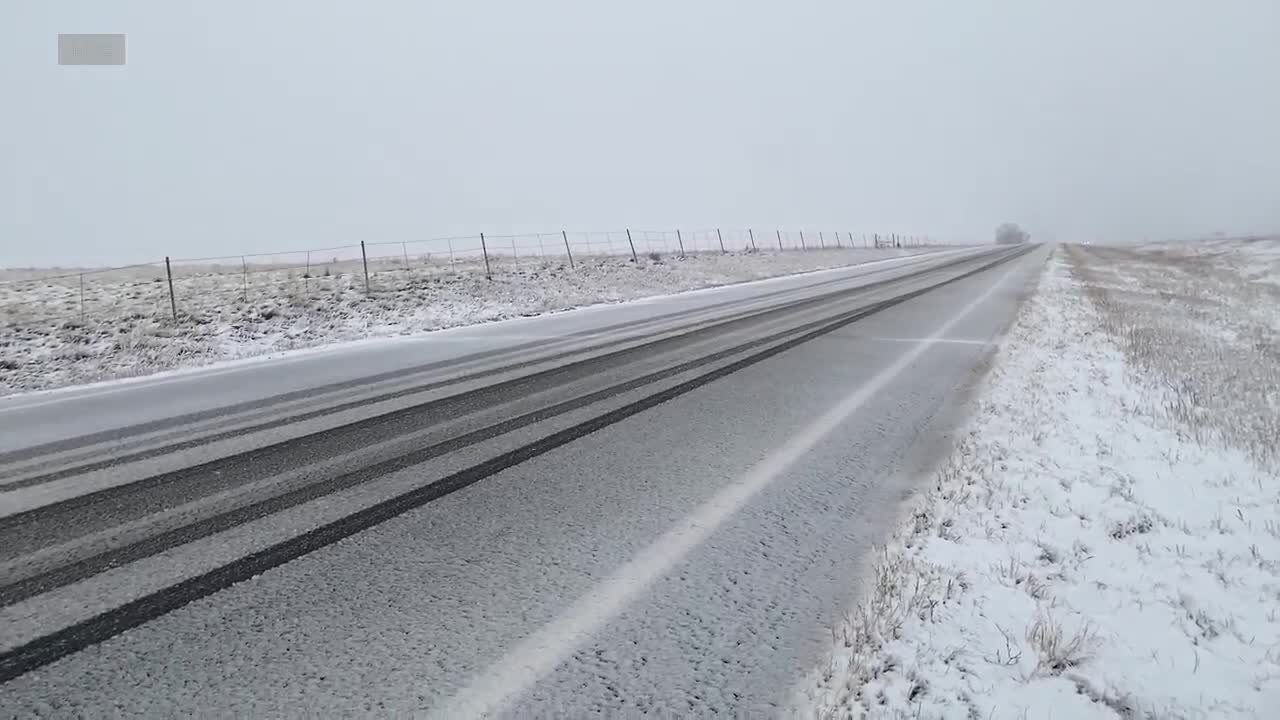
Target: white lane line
[[930, 341], [491, 691]]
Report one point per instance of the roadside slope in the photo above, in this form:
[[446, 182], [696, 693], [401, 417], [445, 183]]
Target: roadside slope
[[1105, 538]]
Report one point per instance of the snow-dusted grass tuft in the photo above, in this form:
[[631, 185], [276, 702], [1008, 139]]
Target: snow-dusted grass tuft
[[1057, 648], [1104, 539], [60, 328]]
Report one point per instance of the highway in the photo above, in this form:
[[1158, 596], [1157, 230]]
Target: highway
[[660, 505]]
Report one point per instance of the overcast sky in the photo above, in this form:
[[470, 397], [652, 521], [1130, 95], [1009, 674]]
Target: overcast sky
[[261, 126]]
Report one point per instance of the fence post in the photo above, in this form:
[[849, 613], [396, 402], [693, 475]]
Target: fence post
[[244, 277], [515, 255], [779, 241], [567, 251], [364, 257], [173, 301], [634, 258], [851, 242], [488, 275], [81, 297], [822, 241], [751, 234], [721, 239], [837, 234], [802, 245], [306, 276], [404, 247], [681, 241]]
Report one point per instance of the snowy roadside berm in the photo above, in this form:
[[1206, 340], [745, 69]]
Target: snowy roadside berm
[[1104, 539], [67, 329]]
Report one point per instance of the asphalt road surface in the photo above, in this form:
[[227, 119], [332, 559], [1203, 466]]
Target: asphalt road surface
[[655, 506]]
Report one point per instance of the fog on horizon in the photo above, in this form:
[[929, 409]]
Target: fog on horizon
[[240, 127]]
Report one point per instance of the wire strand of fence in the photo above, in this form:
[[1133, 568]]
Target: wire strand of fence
[[39, 276], [264, 254]]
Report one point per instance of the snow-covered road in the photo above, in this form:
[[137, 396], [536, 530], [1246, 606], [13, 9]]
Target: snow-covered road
[[648, 506]]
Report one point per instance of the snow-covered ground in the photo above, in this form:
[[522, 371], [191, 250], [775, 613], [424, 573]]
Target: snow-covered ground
[[65, 328], [1257, 259], [1104, 539]]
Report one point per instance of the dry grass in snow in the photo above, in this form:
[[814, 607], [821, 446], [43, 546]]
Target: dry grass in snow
[[60, 329], [1104, 540]]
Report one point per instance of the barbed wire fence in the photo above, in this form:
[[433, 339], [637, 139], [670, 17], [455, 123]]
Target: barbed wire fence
[[166, 289]]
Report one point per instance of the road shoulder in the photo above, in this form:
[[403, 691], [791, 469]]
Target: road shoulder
[[1088, 549]]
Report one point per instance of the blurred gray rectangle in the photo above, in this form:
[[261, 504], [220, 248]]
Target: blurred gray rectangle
[[91, 49]]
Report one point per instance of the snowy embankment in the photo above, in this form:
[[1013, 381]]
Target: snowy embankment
[[1104, 539], [73, 329]]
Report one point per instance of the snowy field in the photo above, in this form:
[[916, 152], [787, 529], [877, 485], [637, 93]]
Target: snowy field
[[1256, 259], [64, 328], [1104, 540]]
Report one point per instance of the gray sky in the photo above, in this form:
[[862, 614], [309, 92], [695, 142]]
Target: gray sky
[[262, 126]]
